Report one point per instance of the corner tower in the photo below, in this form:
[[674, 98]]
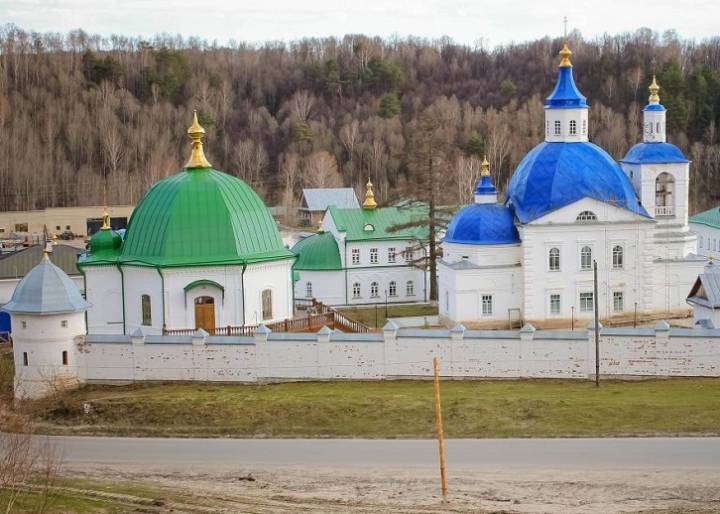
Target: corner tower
[[566, 109]]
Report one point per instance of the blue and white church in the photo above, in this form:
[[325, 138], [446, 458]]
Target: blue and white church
[[568, 204]]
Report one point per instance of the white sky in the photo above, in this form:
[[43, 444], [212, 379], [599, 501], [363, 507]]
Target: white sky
[[465, 21]]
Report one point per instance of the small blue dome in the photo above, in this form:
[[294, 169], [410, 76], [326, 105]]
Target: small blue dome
[[483, 224], [566, 95], [553, 175], [643, 153], [654, 107], [485, 186]]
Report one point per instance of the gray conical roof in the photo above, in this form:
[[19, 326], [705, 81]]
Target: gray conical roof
[[46, 289]]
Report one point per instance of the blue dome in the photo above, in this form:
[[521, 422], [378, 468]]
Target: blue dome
[[654, 107], [483, 223], [553, 175], [485, 186], [566, 95], [643, 153]]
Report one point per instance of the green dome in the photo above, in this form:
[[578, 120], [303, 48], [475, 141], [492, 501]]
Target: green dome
[[105, 241], [317, 252]]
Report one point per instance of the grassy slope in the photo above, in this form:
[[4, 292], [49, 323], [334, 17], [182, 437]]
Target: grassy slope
[[367, 315], [489, 408]]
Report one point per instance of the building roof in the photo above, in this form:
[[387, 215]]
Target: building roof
[[706, 290], [644, 153], [18, 264], [46, 289], [566, 95], [199, 216], [710, 217], [553, 175], [319, 199], [372, 224], [485, 186], [484, 224], [654, 107], [317, 252]]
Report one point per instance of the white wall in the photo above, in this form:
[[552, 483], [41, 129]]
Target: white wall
[[327, 286], [708, 239], [104, 292]]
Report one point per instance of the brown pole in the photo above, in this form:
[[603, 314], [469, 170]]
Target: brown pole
[[439, 427]]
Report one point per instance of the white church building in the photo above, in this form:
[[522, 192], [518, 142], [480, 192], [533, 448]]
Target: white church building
[[569, 204]]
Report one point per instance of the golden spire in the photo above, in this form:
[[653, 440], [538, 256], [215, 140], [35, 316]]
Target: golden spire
[[485, 167], [565, 54], [654, 89], [196, 134], [106, 220], [369, 202]]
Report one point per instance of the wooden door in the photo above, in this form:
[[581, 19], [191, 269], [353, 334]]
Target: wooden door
[[205, 314]]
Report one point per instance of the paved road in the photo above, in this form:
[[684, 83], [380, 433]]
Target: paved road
[[479, 454]]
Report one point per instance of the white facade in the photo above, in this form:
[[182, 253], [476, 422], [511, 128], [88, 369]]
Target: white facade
[[708, 239]]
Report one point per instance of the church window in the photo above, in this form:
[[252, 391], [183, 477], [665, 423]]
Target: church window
[[65, 358], [586, 302], [701, 241], [585, 258], [657, 127], [25, 359], [573, 127], [651, 127], [410, 288], [557, 127], [617, 257], [586, 216], [356, 256], [547, 127], [146, 310], [64, 323], [392, 288], [554, 303], [487, 305], [554, 259], [24, 324], [308, 290], [584, 127], [374, 291], [664, 202], [267, 312], [391, 254], [356, 290], [373, 255], [409, 254], [618, 301]]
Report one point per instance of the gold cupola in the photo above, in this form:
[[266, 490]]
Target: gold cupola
[[196, 133], [654, 89], [565, 54], [369, 202]]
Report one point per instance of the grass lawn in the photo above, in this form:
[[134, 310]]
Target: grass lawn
[[402, 408], [369, 315]]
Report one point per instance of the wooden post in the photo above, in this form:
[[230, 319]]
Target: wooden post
[[439, 427]]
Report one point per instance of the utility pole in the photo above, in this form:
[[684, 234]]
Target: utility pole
[[597, 325], [439, 427]]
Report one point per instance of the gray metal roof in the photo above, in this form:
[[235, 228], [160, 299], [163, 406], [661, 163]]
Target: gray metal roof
[[46, 289], [321, 199], [18, 264], [706, 290]]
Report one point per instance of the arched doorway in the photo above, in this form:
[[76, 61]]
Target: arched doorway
[[205, 313]]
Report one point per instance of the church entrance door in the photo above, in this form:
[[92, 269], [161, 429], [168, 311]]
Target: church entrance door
[[205, 313]]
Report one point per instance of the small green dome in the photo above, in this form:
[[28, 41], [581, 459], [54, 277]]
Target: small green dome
[[105, 241], [201, 216], [317, 252]]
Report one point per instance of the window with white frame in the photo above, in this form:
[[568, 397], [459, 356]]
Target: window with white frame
[[487, 305], [373, 255], [356, 290], [308, 290], [585, 216], [374, 290], [557, 127], [391, 254], [392, 288], [355, 252], [618, 301], [555, 303], [554, 259], [617, 257], [409, 254], [410, 288], [573, 127], [585, 258], [586, 302]]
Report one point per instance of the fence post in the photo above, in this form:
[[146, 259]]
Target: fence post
[[527, 335], [263, 358], [390, 331], [137, 338]]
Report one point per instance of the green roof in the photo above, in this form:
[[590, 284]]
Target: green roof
[[317, 252], [198, 217], [711, 217], [372, 224]]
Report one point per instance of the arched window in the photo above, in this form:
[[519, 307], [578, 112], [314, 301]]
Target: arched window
[[547, 127], [701, 241], [617, 257], [374, 290], [584, 127], [657, 127], [557, 127], [267, 311], [585, 258], [308, 290], [392, 288], [664, 201], [356, 290], [554, 259], [585, 216], [146, 310], [410, 288], [573, 127], [651, 127], [65, 358]]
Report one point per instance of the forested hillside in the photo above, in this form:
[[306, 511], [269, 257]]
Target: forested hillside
[[78, 111]]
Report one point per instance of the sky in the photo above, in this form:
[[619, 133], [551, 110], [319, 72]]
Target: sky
[[465, 21]]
